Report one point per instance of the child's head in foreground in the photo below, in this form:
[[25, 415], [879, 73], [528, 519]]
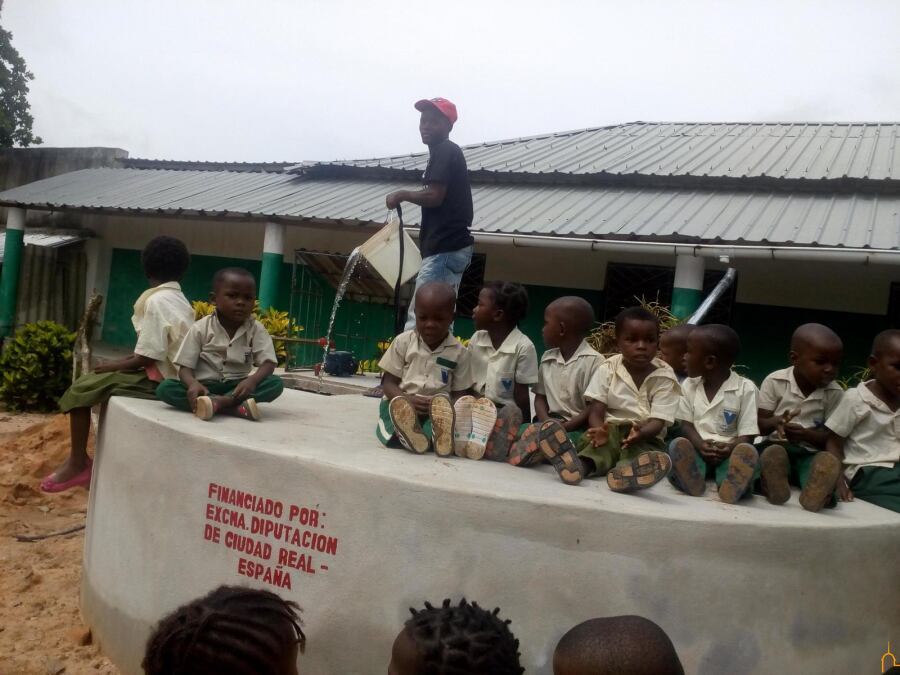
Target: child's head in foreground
[[233, 294], [637, 336], [816, 353], [712, 349], [673, 346], [165, 259], [884, 363], [500, 304], [455, 639], [435, 306], [616, 645], [230, 631], [567, 321]]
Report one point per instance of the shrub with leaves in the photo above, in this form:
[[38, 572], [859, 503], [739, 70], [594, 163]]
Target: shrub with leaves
[[36, 367]]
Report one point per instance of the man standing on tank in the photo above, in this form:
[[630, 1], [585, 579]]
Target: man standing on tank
[[446, 200]]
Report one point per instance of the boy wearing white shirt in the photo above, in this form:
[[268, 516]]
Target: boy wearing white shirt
[[718, 411]]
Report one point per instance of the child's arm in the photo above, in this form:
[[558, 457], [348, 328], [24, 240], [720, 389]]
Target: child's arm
[[390, 385], [798, 434], [598, 431], [247, 386], [522, 400], [579, 421], [835, 445], [642, 431], [124, 365], [541, 409], [194, 386]]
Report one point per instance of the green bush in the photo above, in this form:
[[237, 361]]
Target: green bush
[[36, 367]]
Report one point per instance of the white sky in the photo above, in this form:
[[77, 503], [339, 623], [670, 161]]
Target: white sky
[[289, 80]]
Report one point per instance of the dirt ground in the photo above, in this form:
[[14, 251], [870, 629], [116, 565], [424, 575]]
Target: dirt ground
[[41, 631]]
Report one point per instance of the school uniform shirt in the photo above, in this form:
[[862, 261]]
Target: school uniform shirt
[[426, 372], [563, 382], [212, 355], [780, 393], [657, 397], [732, 412], [497, 371], [161, 319], [871, 431]]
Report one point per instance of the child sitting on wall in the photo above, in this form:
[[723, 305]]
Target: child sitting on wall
[[560, 407], [633, 395], [504, 363], [230, 631], [673, 347], [423, 368], [865, 429], [460, 638], [162, 316], [616, 645], [219, 352], [793, 405], [718, 414]]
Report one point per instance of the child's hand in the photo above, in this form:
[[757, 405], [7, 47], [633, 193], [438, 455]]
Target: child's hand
[[795, 433], [598, 435], [244, 389], [845, 494], [633, 436], [782, 423], [422, 404], [102, 366], [195, 390], [708, 451], [723, 449]]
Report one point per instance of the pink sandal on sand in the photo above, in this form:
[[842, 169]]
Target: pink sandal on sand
[[81, 479]]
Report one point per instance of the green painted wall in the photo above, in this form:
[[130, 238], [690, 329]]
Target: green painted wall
[[765, 331]]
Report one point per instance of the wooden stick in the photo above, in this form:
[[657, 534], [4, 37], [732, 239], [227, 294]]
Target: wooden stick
[[39, 537]]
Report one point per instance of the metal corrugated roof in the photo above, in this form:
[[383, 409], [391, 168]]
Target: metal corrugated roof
[[795, 150], [660, 214], [45, 238]]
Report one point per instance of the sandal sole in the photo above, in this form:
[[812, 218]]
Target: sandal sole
[[774, 472], [442, 424], [643, 472], [823, 477], [740, 473], [556, 447], [684, 467], [406, 425]]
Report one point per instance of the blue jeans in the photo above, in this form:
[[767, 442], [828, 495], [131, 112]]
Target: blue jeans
[[445, 267]]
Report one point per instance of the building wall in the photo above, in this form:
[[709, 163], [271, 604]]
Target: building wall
[[772, 297]]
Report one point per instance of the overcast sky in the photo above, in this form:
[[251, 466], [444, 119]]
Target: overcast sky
[[289, 80]]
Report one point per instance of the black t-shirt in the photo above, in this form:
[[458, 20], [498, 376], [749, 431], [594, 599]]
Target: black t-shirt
[[445, 228]]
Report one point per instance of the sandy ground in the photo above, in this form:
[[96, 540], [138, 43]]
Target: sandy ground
[[41, 632]]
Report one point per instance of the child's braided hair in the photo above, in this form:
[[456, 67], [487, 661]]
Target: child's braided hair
[[230, 631], [511, 297], [463, 640]]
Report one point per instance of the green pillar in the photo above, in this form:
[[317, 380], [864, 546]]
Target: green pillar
[[272, 260], [688, 291], [12, 263]]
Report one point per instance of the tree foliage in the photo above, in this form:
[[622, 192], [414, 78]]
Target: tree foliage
[[15, 115]]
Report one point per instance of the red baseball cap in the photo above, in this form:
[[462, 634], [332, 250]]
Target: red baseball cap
[[445, 107]]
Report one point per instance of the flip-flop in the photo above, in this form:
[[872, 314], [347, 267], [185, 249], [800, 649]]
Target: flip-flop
[[526, 451], [823, 477], [484, 416], [406, 425], [774, 472], [441, 411], [81, 479], [741, 466], [509, 419], [462, 427], [685, 473], [643, 472], [556, 447]]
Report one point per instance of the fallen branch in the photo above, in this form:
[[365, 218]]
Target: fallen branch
[[39, 537]]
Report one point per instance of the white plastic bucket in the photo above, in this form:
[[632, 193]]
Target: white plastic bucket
[[383, 253]]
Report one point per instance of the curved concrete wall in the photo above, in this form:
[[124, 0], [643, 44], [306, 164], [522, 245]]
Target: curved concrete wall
[[363, 533]]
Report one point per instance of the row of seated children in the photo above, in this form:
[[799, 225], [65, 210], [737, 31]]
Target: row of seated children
[[202, 366], [667, 405], [242, 631]]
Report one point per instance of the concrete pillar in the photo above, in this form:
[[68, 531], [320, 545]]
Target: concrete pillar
[[12, 262], [272, 260], [99, 256], [688, 291]]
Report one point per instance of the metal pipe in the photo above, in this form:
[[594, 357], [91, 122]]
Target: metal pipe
[[723, 285]]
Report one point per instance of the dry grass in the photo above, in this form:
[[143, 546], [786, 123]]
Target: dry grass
[[603, 337]]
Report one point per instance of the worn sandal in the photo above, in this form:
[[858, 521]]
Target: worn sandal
[[406, 425], [644, 471], [556, 447], [774, 472], [685, 473], [737, 481], [462, 427], [442, 417], [526, 451], [823, 477], [484, 415], [509, 419]]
